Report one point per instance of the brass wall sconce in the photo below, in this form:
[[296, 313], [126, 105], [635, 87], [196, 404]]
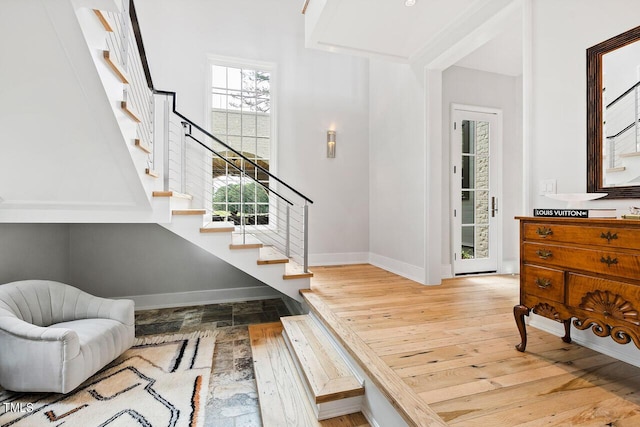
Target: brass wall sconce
[[331, 144]]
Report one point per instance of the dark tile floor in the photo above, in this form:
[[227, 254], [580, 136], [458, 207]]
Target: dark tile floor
[[233, 397]]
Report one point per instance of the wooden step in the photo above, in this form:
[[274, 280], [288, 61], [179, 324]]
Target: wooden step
[[151, 173], [141, 146], [129, 112], [330, 383], [249, 242], [188, 212], [270, 255], [162, 194], [218, 227], [634, 154], [103, 20], [115, 67], [283, 400], [296, 271]]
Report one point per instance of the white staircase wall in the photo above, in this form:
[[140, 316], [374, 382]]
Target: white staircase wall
[[64, 156], [246, 260]]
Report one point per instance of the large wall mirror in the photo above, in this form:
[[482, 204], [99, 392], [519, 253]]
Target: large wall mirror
[[613, 113]]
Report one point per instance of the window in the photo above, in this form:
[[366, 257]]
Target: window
[[241, 117]]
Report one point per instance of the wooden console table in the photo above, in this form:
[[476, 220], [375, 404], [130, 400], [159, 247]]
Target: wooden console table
[[587, 270]]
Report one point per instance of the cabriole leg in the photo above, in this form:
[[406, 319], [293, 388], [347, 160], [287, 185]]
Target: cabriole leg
[[519, 311]]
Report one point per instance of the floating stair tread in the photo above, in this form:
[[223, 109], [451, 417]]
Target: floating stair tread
[[619, 169], [218, 227], [270, 255], [103, 20], [115, 67], [142, 146], [295, 271], [283, 400], [151, 173], [129, 112], [249, 242], [188, 212], [325, 371], [162, 194], [634, 154]]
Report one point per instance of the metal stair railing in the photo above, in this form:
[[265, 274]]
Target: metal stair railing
[[189, 151], [622, 126]]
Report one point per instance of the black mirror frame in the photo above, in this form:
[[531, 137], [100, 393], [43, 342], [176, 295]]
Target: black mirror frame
[[594, 116]]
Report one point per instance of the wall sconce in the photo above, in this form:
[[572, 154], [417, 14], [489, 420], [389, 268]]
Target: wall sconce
[[331, 144]]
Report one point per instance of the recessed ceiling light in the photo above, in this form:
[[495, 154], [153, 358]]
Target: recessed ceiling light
[[409, 2]]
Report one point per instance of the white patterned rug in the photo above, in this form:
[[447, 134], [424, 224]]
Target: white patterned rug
[[161, 381]]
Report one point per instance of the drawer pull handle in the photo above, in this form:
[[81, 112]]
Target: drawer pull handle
[[544, 232], [609, 236], [543, 283], [608, 260], [544, 254]]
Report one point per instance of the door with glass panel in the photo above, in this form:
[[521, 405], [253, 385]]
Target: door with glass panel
[[476, 134]]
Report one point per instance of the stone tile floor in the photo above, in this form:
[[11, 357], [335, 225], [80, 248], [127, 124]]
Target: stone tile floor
[[233, 397]]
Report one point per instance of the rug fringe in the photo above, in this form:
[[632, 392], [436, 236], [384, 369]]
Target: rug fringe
[[159, 339]]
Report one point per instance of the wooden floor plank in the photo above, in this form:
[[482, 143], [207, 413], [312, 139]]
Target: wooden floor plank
[[453, 346]]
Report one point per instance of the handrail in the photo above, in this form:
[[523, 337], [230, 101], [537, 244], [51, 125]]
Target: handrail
[[236, 167], [626, 92], [631, 126], [145, 64]]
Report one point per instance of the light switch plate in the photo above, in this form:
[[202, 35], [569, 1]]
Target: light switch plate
[[548, 186]]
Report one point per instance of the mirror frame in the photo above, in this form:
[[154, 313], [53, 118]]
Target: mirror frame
[[594, 116]]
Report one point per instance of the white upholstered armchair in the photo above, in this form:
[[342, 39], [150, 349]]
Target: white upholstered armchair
[[54, 336]]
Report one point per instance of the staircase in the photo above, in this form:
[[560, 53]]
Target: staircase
[[143, 161], [302, 378]]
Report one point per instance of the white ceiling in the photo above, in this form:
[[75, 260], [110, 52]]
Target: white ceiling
[[389, 29]]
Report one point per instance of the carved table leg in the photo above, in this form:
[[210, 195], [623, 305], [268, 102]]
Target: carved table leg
[[519, 311], [567, 330]]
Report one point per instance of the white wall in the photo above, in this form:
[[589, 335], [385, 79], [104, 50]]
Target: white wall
[[483, 89], [397, 169], [315, 91], [562, 32]]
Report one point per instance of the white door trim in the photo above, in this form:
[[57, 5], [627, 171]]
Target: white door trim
[[496, 187]]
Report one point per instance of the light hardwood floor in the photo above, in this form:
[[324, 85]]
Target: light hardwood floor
[[454, 346]]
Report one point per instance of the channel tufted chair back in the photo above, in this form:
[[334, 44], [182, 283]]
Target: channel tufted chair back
[[54, 336]]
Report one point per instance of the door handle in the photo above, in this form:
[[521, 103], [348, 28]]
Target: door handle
[[494, 206]]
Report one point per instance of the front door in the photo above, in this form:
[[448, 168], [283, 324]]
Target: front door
[[476, 141]]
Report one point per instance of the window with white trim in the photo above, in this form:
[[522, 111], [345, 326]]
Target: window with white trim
[[241, 117]]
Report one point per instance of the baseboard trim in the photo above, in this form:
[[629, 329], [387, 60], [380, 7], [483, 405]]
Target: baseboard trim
[[628, 353], [400, 268], [209, 296], [340, 258], [446, 271]]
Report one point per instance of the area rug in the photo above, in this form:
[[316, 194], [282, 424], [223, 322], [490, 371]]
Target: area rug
[[160, 381]]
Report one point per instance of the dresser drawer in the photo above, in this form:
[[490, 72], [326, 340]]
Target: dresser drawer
[[613, 237], [617, 300], [611, 263], [543, 282]]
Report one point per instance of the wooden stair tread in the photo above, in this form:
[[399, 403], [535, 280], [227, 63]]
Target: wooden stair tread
[[129, 112], [115, 67], [294, 270], [634, 154], [248, 242], [188, 212], [141, 146], [151, 173], [325, 371], [103, 20], [283, 400], [162, 194], [218, 227], [270, 255]]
